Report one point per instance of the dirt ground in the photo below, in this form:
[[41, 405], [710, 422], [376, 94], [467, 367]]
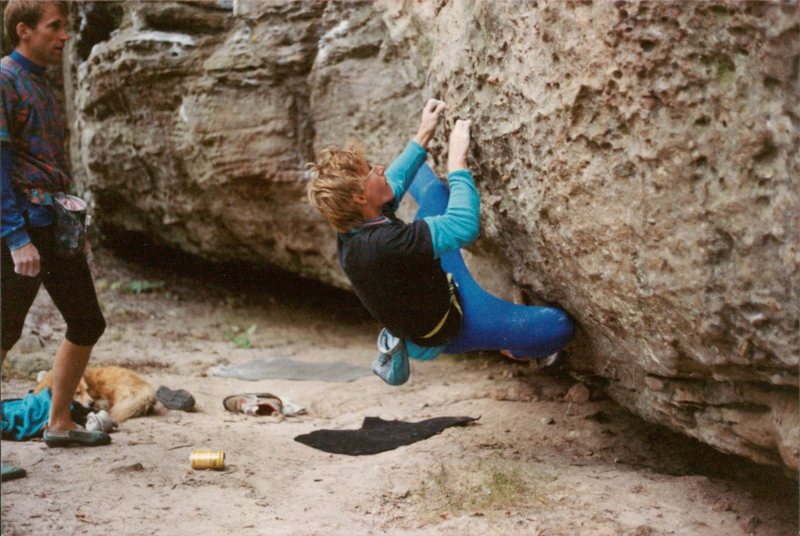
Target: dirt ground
[[534, 464]]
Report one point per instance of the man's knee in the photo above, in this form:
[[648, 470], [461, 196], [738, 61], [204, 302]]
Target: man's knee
[[12, 331], [86, 331]]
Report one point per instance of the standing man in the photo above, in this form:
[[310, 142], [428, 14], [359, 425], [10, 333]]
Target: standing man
[[34, 168]]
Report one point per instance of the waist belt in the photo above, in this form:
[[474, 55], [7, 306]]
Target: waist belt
[[453, 304]]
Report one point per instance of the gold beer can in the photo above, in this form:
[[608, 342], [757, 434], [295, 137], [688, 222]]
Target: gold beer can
[[207, 459]]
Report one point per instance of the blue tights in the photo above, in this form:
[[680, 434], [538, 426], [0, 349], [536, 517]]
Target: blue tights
[[489, 322]]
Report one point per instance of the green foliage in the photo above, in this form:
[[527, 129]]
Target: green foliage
[[487, 486], [138, 286], [242, 341], [241, 338]]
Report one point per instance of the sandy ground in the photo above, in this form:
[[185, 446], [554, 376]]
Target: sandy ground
[[533, 464]]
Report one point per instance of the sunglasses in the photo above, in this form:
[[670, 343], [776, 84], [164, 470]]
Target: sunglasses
[[373, 169]]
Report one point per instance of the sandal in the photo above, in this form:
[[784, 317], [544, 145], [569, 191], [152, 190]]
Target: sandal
[[77, 436], [254, 404], [11, 472]]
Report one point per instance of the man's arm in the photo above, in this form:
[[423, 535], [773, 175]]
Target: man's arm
[[460, 224], [13, 223], [23, 252], [402, 171]]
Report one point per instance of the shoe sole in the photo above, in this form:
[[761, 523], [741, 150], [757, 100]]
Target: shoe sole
[[12, 473], [60, 442]]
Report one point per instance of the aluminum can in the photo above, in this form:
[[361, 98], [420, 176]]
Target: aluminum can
[[207, 459]]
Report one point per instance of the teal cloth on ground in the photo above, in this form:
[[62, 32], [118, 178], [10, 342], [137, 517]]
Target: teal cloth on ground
[[24, 418]]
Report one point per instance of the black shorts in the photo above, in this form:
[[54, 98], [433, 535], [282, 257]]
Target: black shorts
[[67, 280]]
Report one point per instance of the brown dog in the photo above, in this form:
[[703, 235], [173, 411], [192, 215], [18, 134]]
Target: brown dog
[[122, 392]]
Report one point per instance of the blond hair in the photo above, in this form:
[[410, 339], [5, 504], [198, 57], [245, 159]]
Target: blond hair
[[338, 175]]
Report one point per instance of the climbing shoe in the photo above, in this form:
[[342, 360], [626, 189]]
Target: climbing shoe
[[551, 363], [391, 365]]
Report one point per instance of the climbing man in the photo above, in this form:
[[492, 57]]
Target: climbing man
[[395, 267], [34, 169]]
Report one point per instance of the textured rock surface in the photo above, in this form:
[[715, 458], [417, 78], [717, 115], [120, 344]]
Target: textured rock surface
[[637, 162]]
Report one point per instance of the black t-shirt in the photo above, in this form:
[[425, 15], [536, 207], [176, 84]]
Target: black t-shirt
[[393, 271]]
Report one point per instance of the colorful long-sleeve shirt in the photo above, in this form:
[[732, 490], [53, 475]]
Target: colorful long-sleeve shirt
[[34, 162]]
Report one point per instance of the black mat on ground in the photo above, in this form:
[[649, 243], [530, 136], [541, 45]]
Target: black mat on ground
[[377, 435]]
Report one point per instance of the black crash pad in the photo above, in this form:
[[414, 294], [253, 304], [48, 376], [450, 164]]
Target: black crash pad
[[377, 435]]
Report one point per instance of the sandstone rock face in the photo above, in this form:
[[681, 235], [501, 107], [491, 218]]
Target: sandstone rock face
[[638, 165]]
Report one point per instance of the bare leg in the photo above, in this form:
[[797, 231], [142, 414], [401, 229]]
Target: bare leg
[[68, 367]]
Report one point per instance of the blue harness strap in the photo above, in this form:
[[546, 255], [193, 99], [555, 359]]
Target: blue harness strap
[[489, 322]]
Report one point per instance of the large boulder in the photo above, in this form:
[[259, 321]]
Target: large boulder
[[637, 164]]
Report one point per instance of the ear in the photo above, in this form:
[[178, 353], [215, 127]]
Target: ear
[[23, 30], [360, 199]]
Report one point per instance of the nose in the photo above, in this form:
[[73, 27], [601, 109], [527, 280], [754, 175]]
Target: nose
[[90, 404]]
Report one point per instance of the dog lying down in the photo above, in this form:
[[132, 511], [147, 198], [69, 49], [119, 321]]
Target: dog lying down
[[123, 393]]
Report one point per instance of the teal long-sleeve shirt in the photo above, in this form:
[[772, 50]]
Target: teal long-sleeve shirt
[[460, 224]]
